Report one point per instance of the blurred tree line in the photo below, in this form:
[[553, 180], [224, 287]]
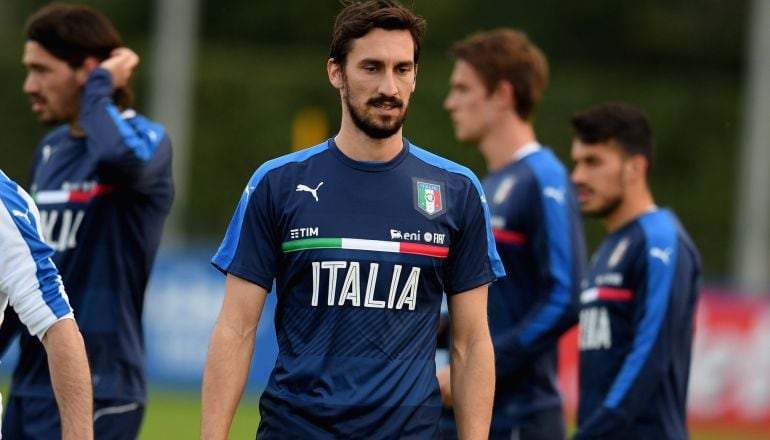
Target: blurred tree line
[[260, 63]]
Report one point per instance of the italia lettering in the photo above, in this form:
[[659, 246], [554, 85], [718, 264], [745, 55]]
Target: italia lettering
[[399, 296], [65, 236], [595, 331]]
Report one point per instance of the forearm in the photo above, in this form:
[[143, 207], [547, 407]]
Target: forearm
[[70, 378], [224, 378], [473, 387]]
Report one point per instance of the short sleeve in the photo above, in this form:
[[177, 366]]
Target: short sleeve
[[250, 247]]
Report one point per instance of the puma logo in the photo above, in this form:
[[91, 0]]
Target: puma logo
[[662, 254], [24, 215], [555, 193], [312, 191]]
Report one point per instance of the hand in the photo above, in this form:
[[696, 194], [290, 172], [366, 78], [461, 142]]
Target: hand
[[121, 64], [445, 385]]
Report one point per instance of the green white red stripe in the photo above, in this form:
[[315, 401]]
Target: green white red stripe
[[366, 245], [63, 196]]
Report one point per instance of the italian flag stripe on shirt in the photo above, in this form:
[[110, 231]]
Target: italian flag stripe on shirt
[[63, 196], [366, 245]]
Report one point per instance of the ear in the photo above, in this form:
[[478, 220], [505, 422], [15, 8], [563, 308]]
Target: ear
[[637, 167], [84, 71], [503, 92], [336, 75]]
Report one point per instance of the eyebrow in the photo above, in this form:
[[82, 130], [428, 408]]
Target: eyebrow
[[379, 62]]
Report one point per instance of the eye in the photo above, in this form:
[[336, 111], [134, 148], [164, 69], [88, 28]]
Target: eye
[[369, 68]]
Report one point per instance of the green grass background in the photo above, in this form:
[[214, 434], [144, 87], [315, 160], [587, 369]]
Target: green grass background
[[174, 414]]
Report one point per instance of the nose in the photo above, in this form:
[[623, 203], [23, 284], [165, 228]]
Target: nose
[[30, 85], [577, 175], [449, 102], [388, 85]]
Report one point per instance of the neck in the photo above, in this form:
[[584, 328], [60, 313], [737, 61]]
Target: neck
[[631, 208], [75, 129], [505, 138], [357, 145]]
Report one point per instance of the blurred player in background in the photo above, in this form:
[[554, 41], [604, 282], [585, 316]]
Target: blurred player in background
[[638, 299], [498, 80], [30, 283], [102, 181], [362, 234]]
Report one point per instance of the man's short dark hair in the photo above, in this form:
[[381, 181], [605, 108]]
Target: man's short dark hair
[[507, 55], [627, 125], [73, 33], [358, 18]]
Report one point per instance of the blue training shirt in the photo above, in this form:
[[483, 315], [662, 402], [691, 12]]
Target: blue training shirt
[[538, 230], [103, 199], [361, 254], [636, 329]]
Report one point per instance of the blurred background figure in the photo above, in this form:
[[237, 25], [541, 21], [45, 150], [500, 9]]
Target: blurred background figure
[[638, 301], [102, 181], [498, 80]]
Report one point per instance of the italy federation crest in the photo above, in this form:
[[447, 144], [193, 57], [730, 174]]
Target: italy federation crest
[[429, 199]]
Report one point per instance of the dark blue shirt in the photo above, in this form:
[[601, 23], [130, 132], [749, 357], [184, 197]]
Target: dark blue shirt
[[361, 254], [103, 199], [636, 328], [538, 230]]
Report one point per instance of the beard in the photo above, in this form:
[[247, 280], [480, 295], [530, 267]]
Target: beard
[[609, 205], [373, 126]]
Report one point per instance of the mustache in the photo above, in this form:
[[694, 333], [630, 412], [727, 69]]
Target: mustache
[[380, 100]]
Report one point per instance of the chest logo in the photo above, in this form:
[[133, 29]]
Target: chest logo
[[617, 253], [503, 190], [663, 255], [47, 152], [313, 191], [429, 198]]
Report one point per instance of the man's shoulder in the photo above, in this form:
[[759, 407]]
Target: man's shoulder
[[544, 162], [281, 162], [443, 164]]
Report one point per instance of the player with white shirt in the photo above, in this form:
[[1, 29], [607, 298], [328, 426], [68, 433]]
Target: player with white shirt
[[30, 283]]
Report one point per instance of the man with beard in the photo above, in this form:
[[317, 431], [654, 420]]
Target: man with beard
[[102, 181], [361, 234], [498, 79], [636, 317]]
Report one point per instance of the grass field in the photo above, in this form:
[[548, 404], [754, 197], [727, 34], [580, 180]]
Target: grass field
[[176, 414]]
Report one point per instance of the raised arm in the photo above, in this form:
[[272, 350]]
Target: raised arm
[[118, 136], [472, 364], [229, 356]]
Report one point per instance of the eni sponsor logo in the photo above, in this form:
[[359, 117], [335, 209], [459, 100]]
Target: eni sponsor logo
[[428, 237]]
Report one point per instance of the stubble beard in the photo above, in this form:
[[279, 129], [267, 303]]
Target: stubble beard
[[376, 128]]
